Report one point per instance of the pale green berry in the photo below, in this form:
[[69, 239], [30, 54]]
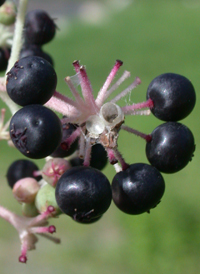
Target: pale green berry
[[46, 197]]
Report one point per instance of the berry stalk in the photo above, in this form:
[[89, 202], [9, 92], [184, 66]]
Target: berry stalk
[[17, 40]]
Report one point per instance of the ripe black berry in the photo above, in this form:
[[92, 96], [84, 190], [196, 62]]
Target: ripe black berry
[[21, 169], [36, 131], [173, 96], [171, 147], [32, 80], [98, 160], [39, 28], [99, 157], [137, 189], [83, 193]]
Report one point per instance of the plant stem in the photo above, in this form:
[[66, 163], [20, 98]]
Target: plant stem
[[7, 215], [16, 47], [17, 40]]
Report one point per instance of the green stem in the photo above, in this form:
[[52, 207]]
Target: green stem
[[16, 47], [6, 99], [17, 40]]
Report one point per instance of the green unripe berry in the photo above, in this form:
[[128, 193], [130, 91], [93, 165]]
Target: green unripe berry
[[46, 197]]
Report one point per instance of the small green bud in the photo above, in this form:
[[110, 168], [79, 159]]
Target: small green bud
[[8, 13]]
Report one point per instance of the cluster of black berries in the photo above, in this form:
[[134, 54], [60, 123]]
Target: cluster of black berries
[[31, 83], [80, 189], [169, 147], [39, 29], [84, 193], [172, 144], [35, 130], [79, 145]]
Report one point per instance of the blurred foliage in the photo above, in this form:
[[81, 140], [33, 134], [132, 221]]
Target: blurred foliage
[[151, 37]]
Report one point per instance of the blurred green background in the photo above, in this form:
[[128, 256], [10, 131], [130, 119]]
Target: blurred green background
[[151, 37]]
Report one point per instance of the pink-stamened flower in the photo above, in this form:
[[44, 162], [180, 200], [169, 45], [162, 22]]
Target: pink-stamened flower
[[53, 170], [98, 121], [27, 228]]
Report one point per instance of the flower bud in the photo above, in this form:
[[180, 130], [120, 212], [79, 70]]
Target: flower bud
[[8, 13], [25, 190], [53, 170]]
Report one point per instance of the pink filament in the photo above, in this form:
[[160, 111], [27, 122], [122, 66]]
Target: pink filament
[[130, 109], [146, 137], [102, 93]]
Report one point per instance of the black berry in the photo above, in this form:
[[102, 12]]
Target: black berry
[[21, 169], [99, 157], [137, 189], [173, 97], [83, 193], [171, 147], [39, 28], [98, 160], [36, 131], [32, 80]]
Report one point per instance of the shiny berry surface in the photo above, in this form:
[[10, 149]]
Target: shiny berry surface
[[32, 80], [83, 193], [137, 189], [171, 147], [173, 96], [36, 131]]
